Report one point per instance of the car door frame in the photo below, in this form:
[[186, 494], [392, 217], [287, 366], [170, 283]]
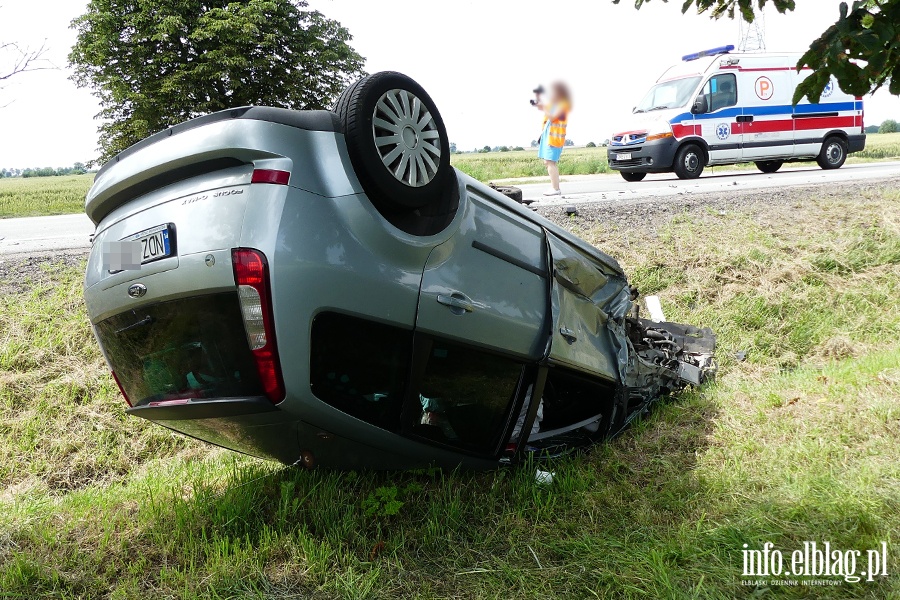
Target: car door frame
[[718, 127]]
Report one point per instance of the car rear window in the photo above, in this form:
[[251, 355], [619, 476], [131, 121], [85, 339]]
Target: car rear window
[[187, 348]]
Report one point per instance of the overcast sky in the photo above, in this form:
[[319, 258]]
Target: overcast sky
[[479, 59]]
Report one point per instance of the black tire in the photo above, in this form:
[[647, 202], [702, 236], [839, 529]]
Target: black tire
[[423, 160], [511, 192], [633, 177], [769, 166], [833, 154], [689, 161]]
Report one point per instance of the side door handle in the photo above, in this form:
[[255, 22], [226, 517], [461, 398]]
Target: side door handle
[[745, 119], [458, 303], [568, 334]]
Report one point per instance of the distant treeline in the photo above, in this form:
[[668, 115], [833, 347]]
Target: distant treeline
[[889, 126], [76, 169]]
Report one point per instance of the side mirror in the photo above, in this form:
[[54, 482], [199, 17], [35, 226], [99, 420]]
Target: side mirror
[[701, 105]]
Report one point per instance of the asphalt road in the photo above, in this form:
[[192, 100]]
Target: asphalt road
[[35, 235], [606, 188]]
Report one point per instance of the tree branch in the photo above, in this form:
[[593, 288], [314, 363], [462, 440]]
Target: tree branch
[[25, 59]]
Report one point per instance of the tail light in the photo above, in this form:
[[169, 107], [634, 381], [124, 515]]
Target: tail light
[[121, 389], [270, 176], [251, 274]]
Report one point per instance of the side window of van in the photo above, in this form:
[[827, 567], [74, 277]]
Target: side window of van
[[360, 367], [465, 398], [721, 91]]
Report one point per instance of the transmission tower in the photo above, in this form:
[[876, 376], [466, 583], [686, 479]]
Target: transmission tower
[[753, 35]]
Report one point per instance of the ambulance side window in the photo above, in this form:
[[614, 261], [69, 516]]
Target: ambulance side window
[[721, 91]]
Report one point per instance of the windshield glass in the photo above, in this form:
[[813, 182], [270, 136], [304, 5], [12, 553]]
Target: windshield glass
[[668, 94]]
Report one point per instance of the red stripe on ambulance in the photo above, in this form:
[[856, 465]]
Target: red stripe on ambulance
[[824, 123]]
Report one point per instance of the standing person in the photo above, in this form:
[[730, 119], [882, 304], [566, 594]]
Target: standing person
[[556, 118]]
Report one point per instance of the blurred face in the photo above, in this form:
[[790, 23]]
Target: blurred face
[[557, 92], [555, 95]]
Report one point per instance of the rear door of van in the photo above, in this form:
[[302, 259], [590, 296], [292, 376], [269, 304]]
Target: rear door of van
[[487, 285]]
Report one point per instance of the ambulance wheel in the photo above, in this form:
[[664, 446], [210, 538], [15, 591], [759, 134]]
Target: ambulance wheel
[[769, 166], [396, 139], [689, 161], [833, 154], [633, 177]]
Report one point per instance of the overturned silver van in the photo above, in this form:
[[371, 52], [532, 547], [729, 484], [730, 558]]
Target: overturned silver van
[[322, 288]]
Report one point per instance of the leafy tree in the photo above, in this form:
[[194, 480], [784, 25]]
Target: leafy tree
[[453, 148], [155, 63], [503, 149], [872, 128], [591, 145], [889, 126], [518, 149], [861, 50], [569, 142], [486, 149], [534, 143]]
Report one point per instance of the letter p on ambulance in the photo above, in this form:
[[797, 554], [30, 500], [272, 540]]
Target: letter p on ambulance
[[764, 88]]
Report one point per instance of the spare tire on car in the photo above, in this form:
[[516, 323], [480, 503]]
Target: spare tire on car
[[396, 139]]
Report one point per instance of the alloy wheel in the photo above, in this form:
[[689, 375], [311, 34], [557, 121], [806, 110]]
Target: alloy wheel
[[407, 137]]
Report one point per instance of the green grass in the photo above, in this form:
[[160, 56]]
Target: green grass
[[588, 161], [801, 441], [36, 196]]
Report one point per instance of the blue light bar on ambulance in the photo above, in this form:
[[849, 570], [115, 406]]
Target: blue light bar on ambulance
[[711, 52]]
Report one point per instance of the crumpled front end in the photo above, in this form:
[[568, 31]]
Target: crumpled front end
[[664, 358]]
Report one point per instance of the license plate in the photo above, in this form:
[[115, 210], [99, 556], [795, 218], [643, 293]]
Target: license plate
[[624, 156], [155, 243]]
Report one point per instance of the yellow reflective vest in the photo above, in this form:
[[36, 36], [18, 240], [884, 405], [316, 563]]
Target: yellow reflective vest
[[558, 115]]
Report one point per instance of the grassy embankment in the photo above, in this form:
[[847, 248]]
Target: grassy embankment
[[801, 441], [60, 195]]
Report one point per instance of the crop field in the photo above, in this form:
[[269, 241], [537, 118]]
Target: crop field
[[524, 163], [799, 439], [35, 196]]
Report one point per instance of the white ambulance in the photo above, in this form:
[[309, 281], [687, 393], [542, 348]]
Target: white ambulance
[[719, 108]]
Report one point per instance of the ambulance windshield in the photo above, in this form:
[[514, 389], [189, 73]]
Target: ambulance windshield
[[668, 94]]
